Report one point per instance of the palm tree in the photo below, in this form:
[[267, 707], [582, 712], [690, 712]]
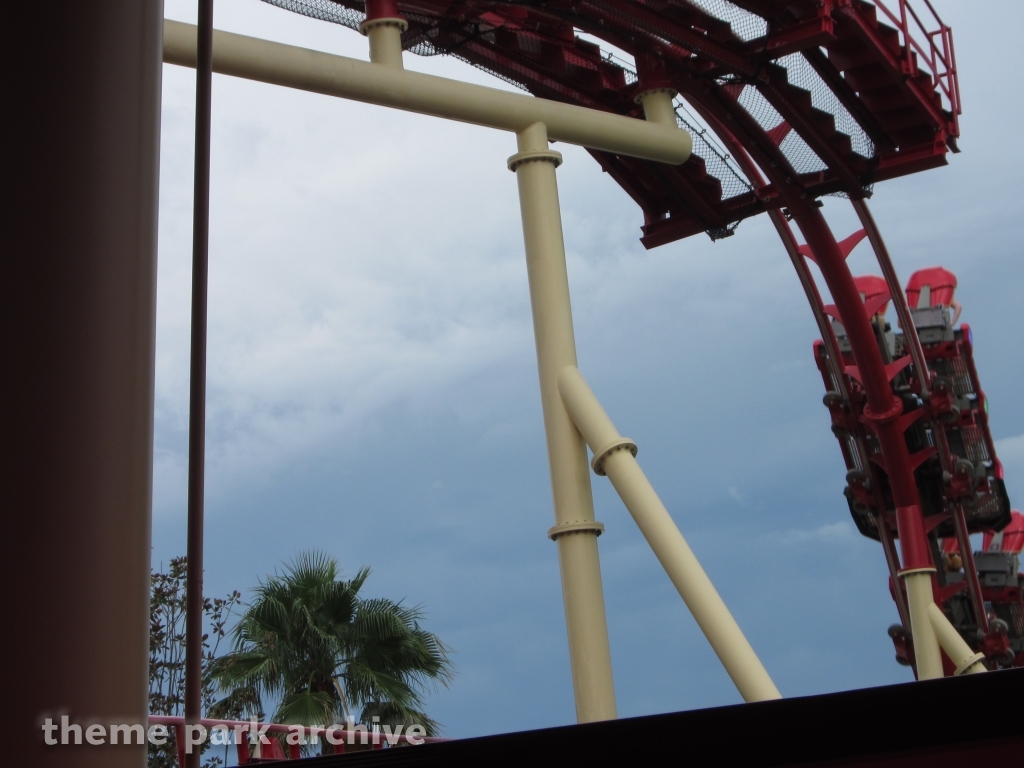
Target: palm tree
[[309, 642]]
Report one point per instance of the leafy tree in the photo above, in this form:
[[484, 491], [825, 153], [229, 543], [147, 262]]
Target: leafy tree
[[309, 643], [167, 652]]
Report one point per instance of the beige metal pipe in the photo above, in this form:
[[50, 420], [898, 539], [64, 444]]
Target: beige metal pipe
[[959, 652], [575, 529], [614, 456], [287, 65], [926, 645], [657, 104], [385, 36]]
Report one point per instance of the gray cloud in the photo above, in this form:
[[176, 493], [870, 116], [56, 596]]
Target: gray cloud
[[373, 387]]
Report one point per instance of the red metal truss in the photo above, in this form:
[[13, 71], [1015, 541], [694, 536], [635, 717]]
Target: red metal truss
[[880, 70]]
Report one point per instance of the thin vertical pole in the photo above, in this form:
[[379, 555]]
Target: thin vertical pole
[[197, 384], [575, 530]]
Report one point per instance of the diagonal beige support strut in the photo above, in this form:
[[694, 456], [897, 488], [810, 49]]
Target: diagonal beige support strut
[[614, 457], [966, 661]]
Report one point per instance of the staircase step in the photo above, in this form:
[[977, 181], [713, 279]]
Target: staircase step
[[901, 119], [851, 53], [799, 97], [547, 57], [802, 9], [869, 78], [887, 99], [913, 136], [824, 121], [868, 11], [924, 82], [696, 170], [891, 37], [587, 79], [913, 57]]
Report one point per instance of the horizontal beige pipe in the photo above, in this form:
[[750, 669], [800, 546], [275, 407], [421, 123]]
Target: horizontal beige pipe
[[614, 456], [959, 652], [292, 67]]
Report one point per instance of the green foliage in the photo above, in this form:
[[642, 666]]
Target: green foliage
[[309, 643], [167, 652]]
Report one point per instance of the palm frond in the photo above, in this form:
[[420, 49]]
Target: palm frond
[[305, 628], [308, 708]]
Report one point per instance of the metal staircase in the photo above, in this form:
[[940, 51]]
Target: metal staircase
[[828, 96]]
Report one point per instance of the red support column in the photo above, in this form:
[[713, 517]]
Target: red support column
[[382, 9], [882, 411], [883, 408], [81, 96]]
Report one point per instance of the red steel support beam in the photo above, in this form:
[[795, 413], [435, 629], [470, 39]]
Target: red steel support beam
[[883, 408], [658, 26], [382, 9], [81, 95]]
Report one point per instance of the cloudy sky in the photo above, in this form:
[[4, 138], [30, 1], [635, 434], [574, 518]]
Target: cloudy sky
[[373, 390]]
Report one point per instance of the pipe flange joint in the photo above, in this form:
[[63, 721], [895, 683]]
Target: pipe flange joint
[[531, 157], [616, 445], [672, 93], [577, 526], [384, 21], [968, 663], [895, 409], [911, 571]]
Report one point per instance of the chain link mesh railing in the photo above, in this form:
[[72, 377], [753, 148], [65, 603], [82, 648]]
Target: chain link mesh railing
[[324, 10], [745, 25], [803, 75], [800, 156]]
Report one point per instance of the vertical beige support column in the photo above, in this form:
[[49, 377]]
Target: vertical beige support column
[[918, 582], [385, 36], [657, 104], [384, 27], [575, 529]]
